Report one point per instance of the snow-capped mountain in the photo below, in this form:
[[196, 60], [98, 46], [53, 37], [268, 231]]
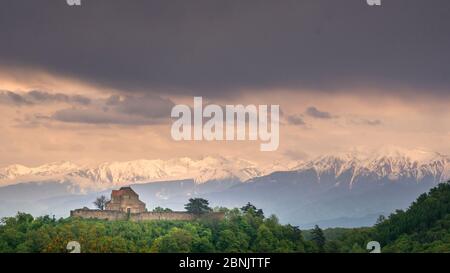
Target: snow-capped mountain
[[392, 164], [201, 171], [114, 174], [346, 168], [19, 172], [340, 189]]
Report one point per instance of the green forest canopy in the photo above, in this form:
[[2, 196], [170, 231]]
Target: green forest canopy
[[423, 227]]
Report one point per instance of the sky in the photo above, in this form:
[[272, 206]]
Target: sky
[[97, 82]]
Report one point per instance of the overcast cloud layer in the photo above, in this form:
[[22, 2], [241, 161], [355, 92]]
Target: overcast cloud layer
[[217, 48], [96, 83]]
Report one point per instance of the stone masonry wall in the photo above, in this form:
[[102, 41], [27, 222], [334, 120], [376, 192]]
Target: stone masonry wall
[[99, 214], [162, 216], [143, 216]]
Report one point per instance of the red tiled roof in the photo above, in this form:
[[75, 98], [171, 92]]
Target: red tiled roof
[[117, 193], [122, 191]]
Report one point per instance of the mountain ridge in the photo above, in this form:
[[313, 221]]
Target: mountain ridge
[[333, 190], [116, 174], [348, 167]]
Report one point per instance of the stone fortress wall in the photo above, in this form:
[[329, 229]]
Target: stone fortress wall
[[113, 215]]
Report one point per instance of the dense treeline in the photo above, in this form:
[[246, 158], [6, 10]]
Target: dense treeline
[[245, 230], [424, 227]]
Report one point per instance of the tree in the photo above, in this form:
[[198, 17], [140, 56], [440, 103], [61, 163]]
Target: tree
[[380, 219], [250, 208], [176, 241], [198, 206], [232, 242], [100, 202], [318, 238], [265, 240], [160, 209]]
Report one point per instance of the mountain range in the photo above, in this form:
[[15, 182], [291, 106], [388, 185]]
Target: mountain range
[[343, 189], [116, 174]]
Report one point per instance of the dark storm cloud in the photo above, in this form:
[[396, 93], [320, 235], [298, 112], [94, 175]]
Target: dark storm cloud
[[295, 120], [218, 47], [316, 113], [11, 98], [146, 106], [40, 97], [95, 116], [128, 110]]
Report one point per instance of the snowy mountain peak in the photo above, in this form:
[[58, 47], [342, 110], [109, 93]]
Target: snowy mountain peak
[[414, 155], [115, 174], [392, 163], [48, 170]]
